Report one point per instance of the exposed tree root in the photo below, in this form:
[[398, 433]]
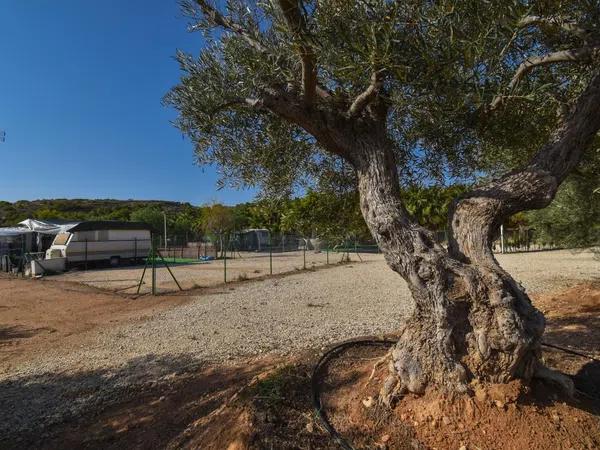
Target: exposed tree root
[[392, 388], [378, 363], [557, 378]]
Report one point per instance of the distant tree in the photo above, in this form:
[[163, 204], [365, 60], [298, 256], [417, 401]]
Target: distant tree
[[267, 213], [50, 213], [573, 217], [430, 205], [217, 222], [9, 215], [181, 225], [151, 215], [241, 215], [329, 215]]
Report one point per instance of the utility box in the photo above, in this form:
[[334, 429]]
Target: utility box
[[48, 266]]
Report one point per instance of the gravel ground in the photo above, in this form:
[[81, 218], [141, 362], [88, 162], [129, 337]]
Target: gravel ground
[[244, 266], [303, 310]]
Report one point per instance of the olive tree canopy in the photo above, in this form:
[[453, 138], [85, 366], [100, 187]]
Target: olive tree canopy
[[289, 93]]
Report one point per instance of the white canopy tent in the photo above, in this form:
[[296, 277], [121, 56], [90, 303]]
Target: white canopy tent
[[47, 227], [31, 233], [13, 231]]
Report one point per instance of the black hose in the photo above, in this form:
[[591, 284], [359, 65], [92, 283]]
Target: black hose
[[572, 352], [315, 386], [326, 357]]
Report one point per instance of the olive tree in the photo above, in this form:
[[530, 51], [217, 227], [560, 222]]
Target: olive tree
[[289, 92]]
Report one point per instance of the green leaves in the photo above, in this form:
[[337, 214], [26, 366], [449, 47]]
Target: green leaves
[[573, 217], [429, 206], [443, 64]]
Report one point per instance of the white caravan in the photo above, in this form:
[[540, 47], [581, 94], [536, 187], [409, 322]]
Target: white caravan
[[102, 240]]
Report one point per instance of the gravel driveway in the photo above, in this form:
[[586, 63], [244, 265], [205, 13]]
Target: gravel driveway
[[303, 310]]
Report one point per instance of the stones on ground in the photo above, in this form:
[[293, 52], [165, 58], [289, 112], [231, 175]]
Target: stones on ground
[[368, 402], [367, 299], [480, 394]]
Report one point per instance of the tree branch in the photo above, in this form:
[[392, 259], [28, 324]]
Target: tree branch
[[475, 218], [292, 108], [323, 92], [568, 25], [574, 55], [235, 101], [297, 25], [218, 19], [368, 95]]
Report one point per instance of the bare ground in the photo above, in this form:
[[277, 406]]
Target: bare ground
[[265, 403], [562, 264], [239, 266], [120, 359], [38, 315]]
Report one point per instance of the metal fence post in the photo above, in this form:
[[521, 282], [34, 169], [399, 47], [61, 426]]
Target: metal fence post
[[304, 255], [23, 258], [224, 264], [356, 251], [153, 267], [135, 250], [86, 254], [270, 254], [143, 272]]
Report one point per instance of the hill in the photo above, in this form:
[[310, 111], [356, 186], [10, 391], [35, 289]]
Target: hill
[[81, 209]]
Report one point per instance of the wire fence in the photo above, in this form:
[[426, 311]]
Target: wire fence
[[522, 239], [136, 265], [228, 259]]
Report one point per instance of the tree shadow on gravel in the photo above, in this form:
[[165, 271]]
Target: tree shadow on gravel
[[13, 332], [177, 402], [587, 381], [33, 404]]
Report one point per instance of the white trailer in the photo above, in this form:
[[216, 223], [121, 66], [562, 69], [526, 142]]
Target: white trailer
[[102, 241]]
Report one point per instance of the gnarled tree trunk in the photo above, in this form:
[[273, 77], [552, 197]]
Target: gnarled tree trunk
[[468, 321], [471, 319]]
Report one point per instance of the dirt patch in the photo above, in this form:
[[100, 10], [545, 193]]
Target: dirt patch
[[37, 314], [573, 317], [266, 404], [511, 416]]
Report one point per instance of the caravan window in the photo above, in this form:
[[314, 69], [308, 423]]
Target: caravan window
[[61, 239], [85, 236]]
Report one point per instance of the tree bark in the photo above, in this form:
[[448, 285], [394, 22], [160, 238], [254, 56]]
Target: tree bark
[[471, 319], [468, 321]]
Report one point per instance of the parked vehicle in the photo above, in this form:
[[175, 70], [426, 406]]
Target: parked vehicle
[[112, 241]]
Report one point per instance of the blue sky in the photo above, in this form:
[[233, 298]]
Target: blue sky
[[81, 84]]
